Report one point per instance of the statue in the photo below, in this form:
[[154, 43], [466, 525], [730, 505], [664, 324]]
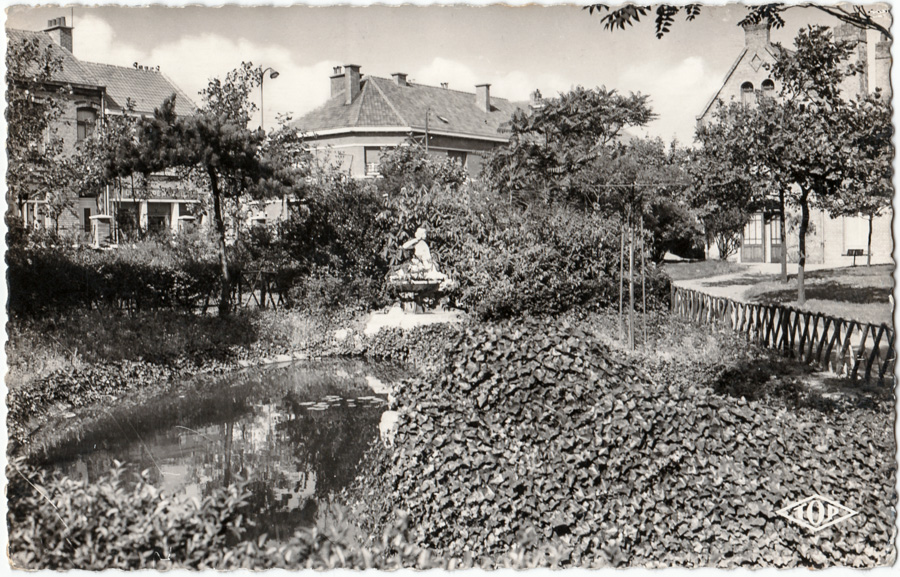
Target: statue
[[419, 278]]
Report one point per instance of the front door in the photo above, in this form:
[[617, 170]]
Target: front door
[[752, 247]]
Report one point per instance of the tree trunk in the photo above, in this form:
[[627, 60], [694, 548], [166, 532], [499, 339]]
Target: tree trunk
[[784, 278], [643, 288], [621, 277], [804, 225], [631, 289], [229, 443], [869, 243], [225, 297]]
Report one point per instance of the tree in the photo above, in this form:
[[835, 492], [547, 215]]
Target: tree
[[409, 166], [867, 189], [33, 112], [218, 148], [732, 175], [549, 146], [640, 183], [809, 125], [619, 18]]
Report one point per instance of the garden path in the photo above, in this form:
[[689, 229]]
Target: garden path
[[735, 284]]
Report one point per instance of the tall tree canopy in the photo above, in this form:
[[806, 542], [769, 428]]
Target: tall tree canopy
[[559, 137], [810, 143], [220, 151], [33, 111]]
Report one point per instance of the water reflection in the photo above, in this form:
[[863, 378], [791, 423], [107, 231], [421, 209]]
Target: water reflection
[[297, 433]]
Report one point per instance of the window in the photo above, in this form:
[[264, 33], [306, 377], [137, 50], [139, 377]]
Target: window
[[86, 119], [87, 220], [753, 231], [775, 230], [747, 92], [457, 156], [373, 160], [768, 85], [158, 214]]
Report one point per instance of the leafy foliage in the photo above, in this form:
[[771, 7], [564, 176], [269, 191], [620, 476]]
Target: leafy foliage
[[770, 14], [409, 166], [551, 144], [533, 428], [218, 149], [59, 523]]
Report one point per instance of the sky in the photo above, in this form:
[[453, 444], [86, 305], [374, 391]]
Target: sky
[[516, 49]]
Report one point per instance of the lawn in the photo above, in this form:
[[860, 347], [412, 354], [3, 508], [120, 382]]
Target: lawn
[[701, 269], [860, 293]]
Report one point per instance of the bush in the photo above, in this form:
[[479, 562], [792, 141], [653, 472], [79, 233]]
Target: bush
[[46, 278], [536, 428], [59, 523]]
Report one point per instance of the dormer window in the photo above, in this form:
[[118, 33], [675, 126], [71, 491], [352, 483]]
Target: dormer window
[[86, 119]]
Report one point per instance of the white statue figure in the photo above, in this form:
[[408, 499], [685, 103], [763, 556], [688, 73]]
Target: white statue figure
[[421, 267]]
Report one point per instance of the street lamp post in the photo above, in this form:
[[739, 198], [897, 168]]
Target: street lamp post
[[273, 74]]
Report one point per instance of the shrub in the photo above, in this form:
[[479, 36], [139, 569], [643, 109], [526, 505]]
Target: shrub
[[59, 523], [46, 278]]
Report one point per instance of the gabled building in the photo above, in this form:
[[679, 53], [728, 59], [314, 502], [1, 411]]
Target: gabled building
[[368, 113], [829, 239], [89, 93]]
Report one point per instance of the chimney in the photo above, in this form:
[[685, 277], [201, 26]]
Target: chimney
[[883, 67], [399, 78], [337, 81], [483, 97], [59, 32], [857, 85], [351, 82], [756, 35]]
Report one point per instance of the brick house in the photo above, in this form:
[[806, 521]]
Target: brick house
[[368, 113], [829, 239], [92, 92]]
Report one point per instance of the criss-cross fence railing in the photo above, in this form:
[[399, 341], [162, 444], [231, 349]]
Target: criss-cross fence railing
[[848, 348]]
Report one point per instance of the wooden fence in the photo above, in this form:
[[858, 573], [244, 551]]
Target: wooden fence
[[848, 348], [252, 288]]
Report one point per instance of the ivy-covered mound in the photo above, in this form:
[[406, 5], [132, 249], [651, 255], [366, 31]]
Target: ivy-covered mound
[[537, 432]]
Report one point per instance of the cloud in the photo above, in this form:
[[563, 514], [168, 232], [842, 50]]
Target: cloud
[[678, 94], [95, 41], [191, 61]]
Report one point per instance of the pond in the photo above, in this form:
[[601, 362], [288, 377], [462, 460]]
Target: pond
[[296, 432]]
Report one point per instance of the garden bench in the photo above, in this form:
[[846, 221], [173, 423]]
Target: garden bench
[[855, 252]]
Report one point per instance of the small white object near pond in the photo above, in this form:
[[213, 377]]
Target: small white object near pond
[[387, 428], [377, 385]]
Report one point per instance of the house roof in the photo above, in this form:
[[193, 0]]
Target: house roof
[[71, 72], [384, 103], [769, 49], [146, 88]]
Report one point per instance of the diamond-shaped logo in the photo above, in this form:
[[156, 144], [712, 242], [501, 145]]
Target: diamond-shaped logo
[[816, 513], [756, 62]]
